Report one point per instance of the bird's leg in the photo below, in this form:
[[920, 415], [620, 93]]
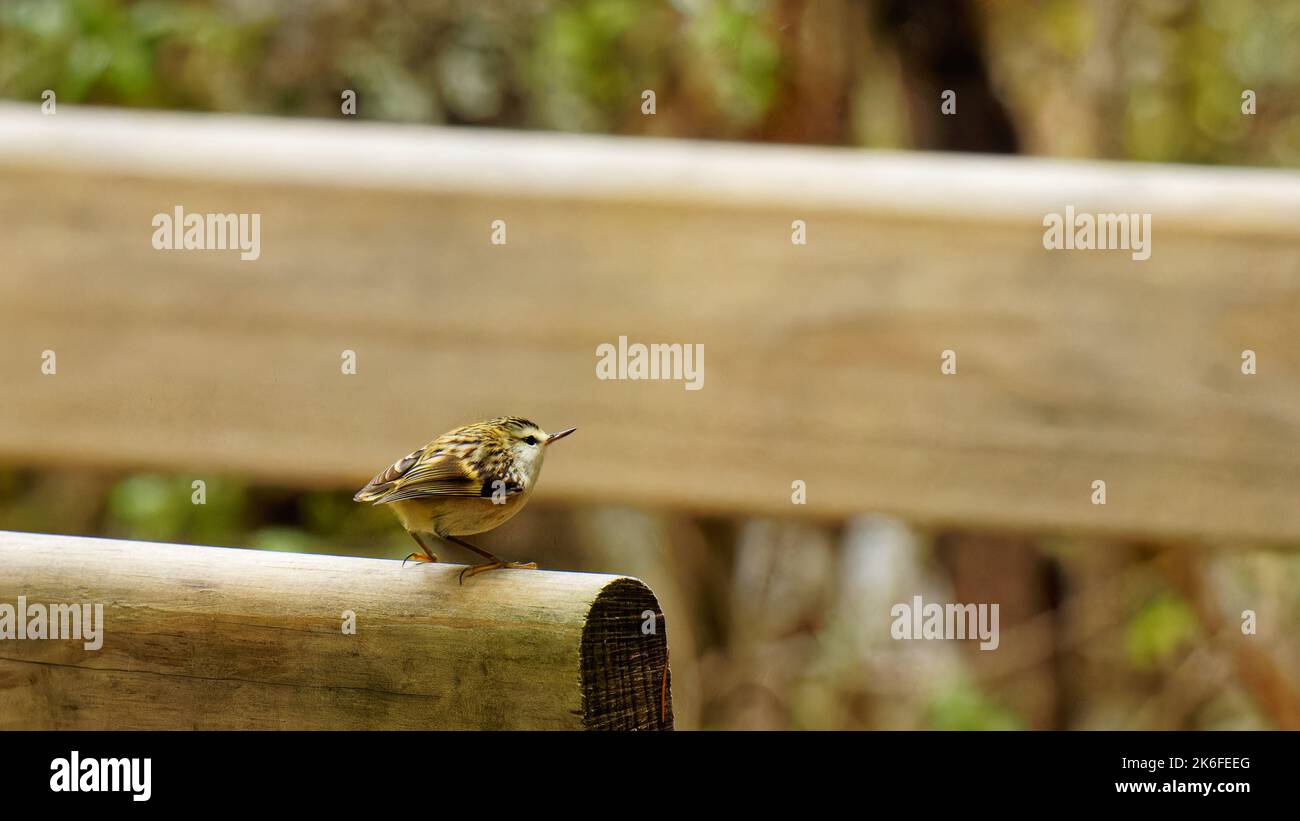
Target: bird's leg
[[428, 554], [492, 563], [469, 546]]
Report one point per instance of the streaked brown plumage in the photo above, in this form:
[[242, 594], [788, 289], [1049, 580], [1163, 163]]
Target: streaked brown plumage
[[468, 480]]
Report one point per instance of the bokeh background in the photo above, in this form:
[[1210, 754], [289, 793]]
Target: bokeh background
[[776, 622]]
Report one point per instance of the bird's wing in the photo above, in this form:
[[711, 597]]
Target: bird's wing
[[431, 471], [387, 478]]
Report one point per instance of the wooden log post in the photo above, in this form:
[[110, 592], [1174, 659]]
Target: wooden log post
[[219, 638]]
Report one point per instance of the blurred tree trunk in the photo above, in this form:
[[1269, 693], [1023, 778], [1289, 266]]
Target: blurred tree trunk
[[940, 48], [820, 43], [1010, 571]]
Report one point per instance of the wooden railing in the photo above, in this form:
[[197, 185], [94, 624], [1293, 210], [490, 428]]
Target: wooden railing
[[822, 360]]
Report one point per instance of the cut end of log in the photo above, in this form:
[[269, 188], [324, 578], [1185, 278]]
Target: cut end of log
[[626, 681]]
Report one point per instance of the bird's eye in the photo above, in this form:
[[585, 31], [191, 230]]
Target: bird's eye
[[530, 440]]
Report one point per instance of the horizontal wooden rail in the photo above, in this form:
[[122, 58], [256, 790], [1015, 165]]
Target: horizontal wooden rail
[[821, 360], [218, 638]]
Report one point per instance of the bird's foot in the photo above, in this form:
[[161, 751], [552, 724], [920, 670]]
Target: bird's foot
[[419, 557], [495, 565]]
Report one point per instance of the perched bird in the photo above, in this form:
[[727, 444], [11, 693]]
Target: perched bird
[[469, 480]]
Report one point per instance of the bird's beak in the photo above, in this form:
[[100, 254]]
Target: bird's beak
[[554, 436]]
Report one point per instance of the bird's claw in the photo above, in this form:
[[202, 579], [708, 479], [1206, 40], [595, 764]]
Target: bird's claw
[[497, 565]]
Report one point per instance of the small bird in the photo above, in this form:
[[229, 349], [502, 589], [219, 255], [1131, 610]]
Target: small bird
[[469, 480]]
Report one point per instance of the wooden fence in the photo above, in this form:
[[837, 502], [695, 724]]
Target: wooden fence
[[822, 360]]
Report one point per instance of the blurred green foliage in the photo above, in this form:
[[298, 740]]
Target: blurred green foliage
[[1149, 80], [160, 508], [166, 508], [140, 54], [742, 60], [1153, 80], [964, 707], [574, 66], [592, 60], [1159, 629]]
